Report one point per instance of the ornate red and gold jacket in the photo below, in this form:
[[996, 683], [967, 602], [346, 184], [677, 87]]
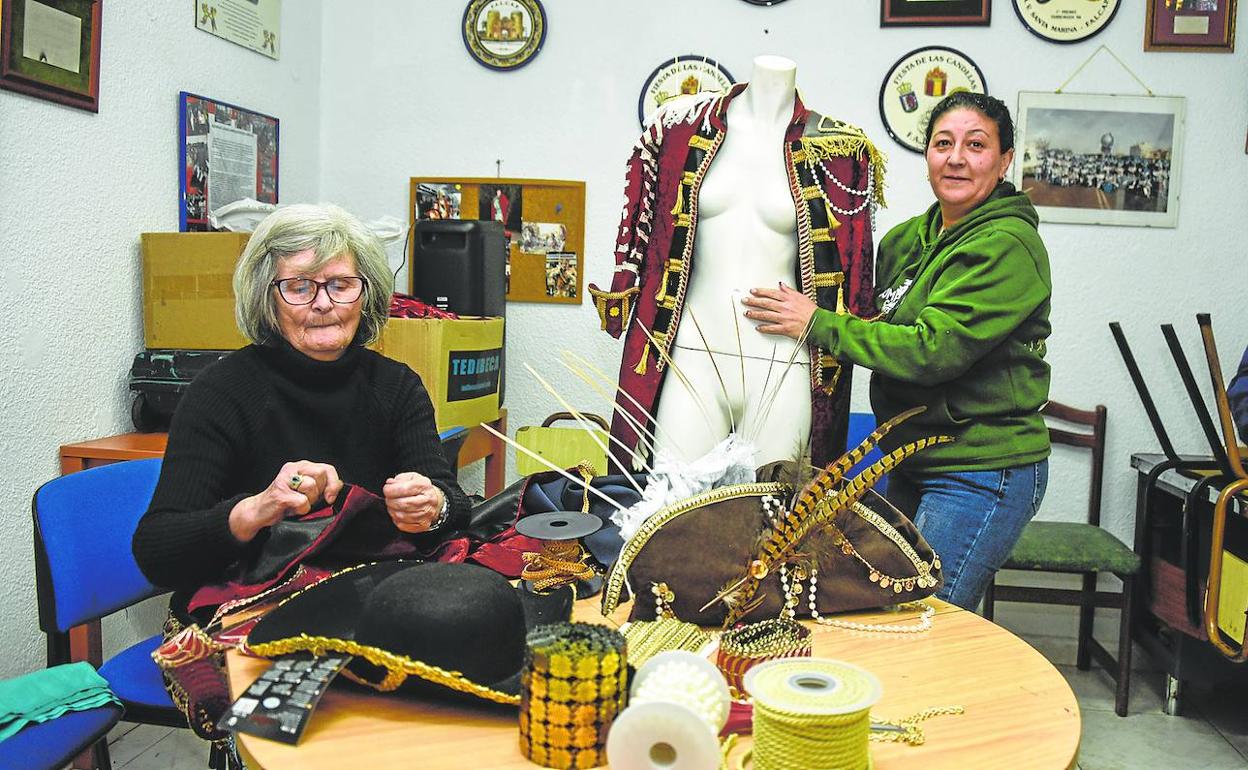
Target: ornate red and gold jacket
[[836, 179]]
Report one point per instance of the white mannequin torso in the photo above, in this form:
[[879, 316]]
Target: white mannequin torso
[[746, 237]]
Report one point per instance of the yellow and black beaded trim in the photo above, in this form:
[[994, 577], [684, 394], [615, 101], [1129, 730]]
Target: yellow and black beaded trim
[[573, 685]]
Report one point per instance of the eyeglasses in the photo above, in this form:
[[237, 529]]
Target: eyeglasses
[[342, 290]]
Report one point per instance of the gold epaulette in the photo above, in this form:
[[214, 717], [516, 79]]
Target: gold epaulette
[[838, 139], [601, 299]]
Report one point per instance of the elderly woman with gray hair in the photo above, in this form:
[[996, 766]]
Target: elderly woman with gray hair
[[274, 429]]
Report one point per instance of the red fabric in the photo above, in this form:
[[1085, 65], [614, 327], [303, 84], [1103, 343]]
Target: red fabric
[[407, 306], [357, 530]]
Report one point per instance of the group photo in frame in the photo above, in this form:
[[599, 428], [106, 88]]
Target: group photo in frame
[[229, 153], [1194, 26], [51, 50], [935, 13], [1100, 158]]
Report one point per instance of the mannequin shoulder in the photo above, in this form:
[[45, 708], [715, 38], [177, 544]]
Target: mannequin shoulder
[[823, 125]]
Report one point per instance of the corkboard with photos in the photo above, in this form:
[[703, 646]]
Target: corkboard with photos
[[543, 219]]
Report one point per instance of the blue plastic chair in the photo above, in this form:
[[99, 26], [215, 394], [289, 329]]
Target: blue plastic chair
[[85, 570], [53, 744]]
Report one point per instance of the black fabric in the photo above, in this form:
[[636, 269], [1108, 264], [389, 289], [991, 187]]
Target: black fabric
[[459, 617], [260, 407], [549, 491]]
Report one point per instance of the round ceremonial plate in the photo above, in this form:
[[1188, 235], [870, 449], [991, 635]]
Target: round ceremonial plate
[[679, 75], [1066, 21], [558, 525], [504, 34], [916, 83]]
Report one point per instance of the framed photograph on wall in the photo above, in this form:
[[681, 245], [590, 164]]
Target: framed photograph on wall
[[1100, 159], [935, 13], [51, 50], [228, 154], [1206, 26], [543, 221]]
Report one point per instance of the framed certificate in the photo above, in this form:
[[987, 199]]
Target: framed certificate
[[1206, 26], [1065, 21], [935, 13], [51, 50], [916, 83]]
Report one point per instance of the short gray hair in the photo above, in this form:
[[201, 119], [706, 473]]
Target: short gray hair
[[330, 232]]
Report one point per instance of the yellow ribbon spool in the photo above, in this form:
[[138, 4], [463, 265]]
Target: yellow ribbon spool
[[811, 714]]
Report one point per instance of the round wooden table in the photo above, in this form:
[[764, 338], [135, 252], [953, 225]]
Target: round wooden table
[[1019, 711]]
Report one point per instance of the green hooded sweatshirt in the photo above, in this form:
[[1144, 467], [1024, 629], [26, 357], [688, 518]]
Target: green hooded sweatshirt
[[965, 316]]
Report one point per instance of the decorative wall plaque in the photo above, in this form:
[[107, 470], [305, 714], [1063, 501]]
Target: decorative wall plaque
[[504, 34], [916, 83], [1066, 21], [688, 74]]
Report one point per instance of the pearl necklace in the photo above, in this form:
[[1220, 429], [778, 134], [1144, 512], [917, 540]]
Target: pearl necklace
[[792, 591]]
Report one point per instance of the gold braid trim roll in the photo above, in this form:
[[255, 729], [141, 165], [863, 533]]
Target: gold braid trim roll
[[849, 145], [647, 638], [573, 685], [398, 667], [744, 647], [602, 297], [560, 563]]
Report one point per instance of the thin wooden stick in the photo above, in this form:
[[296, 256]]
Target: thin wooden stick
[[706, 415], [585, 424], [732, 420], [642, 433], [627, 396], [766, 412], [584, 484]]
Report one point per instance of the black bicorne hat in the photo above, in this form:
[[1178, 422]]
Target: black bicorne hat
[[457, 627]]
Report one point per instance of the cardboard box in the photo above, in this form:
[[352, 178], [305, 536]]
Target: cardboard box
[[459, 360], [188, 291]]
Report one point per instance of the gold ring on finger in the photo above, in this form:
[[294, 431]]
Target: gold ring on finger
[[296, 481]]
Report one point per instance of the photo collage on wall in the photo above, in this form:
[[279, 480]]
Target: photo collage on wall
[[543, 223]]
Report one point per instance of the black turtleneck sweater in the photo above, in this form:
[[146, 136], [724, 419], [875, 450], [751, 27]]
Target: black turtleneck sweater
[[242, 418]]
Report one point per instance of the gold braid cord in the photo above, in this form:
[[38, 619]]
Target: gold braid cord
[[907, 730], [560, 563], [398, 667]]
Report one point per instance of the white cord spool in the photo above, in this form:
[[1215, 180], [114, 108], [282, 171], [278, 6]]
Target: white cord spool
[[679, 702]]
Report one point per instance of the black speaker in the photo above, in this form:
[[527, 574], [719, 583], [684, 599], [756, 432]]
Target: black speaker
[[460, 265]]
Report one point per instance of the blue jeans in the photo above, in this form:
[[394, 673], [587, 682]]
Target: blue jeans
[[972, 519]]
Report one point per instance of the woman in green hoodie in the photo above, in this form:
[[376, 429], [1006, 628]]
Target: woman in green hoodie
[[964, 315]]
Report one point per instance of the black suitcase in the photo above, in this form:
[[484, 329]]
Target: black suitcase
[[158, 379]]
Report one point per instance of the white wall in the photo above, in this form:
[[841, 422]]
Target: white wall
[[372, 93], [76, 189], [403, 98]]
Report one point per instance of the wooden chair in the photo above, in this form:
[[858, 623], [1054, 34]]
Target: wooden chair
[[1079, 549]]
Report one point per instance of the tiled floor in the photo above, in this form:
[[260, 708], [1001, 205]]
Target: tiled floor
[[1211, 735]]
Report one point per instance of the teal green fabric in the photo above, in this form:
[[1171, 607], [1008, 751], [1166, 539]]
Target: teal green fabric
[[964, 336], [44, 695], [1056, 546]]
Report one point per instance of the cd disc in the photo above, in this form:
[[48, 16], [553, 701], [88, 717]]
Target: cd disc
[[558, 525]]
